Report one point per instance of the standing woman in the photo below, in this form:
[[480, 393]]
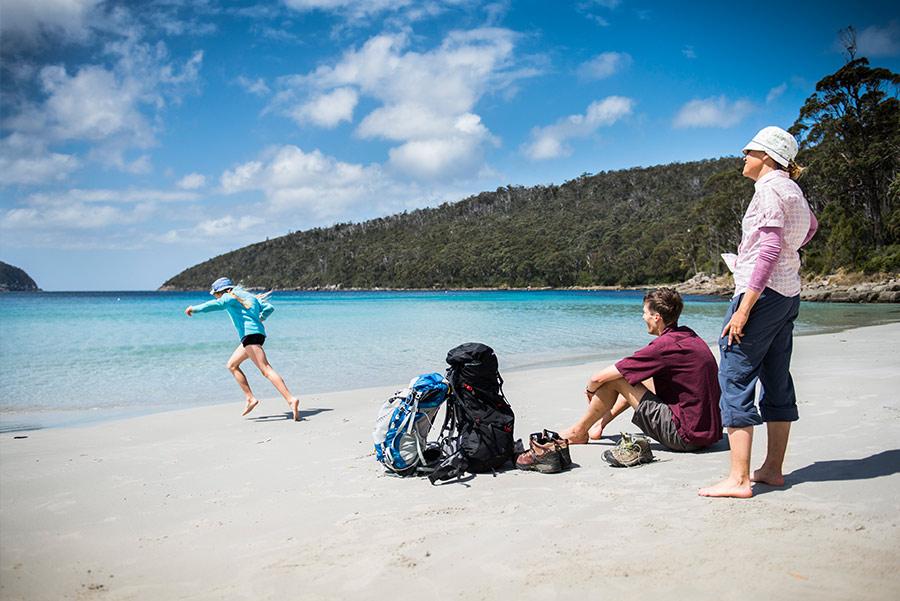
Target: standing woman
[[756, 341], [247, 313]]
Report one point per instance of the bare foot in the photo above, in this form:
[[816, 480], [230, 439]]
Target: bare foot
[[596, 431], [251, 405], [729, 487], [766, 476], [574, 437], [295, 409]]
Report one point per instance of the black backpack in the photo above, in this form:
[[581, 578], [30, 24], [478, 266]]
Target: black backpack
[[477, 435]]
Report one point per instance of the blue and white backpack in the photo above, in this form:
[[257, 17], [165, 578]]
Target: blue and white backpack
[[401, 430]]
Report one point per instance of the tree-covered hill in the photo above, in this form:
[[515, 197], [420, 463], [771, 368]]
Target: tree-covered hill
[[14, 279], [618, 227]]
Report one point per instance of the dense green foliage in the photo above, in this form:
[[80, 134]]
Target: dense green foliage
[[620, 227], [850, 134], [14, 279], [635, 226]]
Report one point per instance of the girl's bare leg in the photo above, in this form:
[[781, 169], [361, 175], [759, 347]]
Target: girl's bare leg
[[258, 356], [234, 366]]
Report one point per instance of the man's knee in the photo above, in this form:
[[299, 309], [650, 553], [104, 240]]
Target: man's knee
[[632, 392]]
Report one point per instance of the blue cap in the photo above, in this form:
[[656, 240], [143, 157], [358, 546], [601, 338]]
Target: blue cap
[[221, 284]]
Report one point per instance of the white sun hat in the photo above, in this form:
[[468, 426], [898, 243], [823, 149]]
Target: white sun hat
[[775, 142]]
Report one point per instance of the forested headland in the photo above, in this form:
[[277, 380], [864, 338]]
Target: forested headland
[[14, 279], [628, 227]]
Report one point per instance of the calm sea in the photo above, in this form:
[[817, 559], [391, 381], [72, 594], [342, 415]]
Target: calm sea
[[74, 357]]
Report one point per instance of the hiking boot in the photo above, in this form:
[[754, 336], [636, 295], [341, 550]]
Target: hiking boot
[[541, 457], [633, 449], [563, 446]]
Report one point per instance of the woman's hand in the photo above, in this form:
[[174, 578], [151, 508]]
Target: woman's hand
[[189, 311], [734, 329]]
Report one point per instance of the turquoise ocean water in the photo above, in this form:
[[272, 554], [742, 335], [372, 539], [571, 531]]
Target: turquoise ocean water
[[77, 357]]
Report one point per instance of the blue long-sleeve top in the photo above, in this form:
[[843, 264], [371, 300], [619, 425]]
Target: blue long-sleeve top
[[246, 320]]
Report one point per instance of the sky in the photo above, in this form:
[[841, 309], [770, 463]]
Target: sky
[[140, 138]]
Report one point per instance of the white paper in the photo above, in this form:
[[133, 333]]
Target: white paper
[[730, 259]]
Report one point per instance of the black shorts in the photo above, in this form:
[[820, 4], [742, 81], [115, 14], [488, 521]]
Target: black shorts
[[253, 339], [654, 418]]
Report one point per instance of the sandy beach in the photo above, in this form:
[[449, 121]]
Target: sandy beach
[[203, 504]]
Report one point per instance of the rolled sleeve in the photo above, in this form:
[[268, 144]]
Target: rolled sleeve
[[643, 364], [771, 211], [265, 310]]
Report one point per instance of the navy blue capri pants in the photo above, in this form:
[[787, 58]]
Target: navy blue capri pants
[[764, 354]]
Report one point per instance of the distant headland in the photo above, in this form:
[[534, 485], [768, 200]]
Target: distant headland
[[13, 279]]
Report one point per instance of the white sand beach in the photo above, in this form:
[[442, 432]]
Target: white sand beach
[[203, 504]]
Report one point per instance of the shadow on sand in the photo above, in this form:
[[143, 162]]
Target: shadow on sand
[[881, 464], [304, 413]]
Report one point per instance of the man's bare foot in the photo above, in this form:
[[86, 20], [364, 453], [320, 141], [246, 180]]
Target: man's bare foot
[[295, 409], [766, 476], [596, 431], [729, 487], [574, 437], [251, 405]]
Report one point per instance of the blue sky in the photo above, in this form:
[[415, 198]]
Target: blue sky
[[139, 138]]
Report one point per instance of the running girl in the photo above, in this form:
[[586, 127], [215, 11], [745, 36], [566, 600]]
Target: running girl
[[247, 312]]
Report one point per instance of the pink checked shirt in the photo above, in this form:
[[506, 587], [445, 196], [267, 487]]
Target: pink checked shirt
[[777, 202]]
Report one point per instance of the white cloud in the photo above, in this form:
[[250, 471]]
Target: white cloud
[[113, 108], [27, 21], [427, 99], [877, 41], [776, 93], [138, 166], [92, 105], [605, 65], [242, 177], [97, 218], [436, 157], [306, 182], [549, 142], [598, 20], [192, 181], [74, 216], [368, 6], [257, 87], [409, 10], [688, 52], [310, 187], [328, 110], [224, 226], [610, 4], [495, 11], [109, 196], [713, 112], [25, 160]]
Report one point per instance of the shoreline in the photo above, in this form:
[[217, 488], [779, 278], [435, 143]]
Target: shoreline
[[834, 288], [854, 288], [202, 504]]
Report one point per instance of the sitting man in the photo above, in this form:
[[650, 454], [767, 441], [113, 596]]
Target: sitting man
[[682, 412]]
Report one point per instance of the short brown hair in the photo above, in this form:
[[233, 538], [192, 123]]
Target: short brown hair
[[667, 302]]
